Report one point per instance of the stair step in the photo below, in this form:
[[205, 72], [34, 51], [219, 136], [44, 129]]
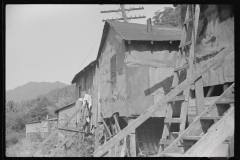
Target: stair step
[[178, 98], [172, 154], [192, 137], [185, 44], [186, 144], [228, 101], [210, 118], [181, 68], [166, 141], [172, 120]]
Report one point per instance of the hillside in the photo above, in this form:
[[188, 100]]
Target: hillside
[[32, 90], [18, 114]]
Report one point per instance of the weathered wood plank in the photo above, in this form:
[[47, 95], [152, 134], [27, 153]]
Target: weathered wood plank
[[178, 98], [185, 44], [192, 128], [166, 141], [138, 121], [181, 68], [123, 150], [69, 129], [215, 136], [199, 96], [97, 132], [166, 128], [172, 120], [210, 91], [133, 151]]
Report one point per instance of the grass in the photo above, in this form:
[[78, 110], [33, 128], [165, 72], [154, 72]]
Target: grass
[[77, 149]]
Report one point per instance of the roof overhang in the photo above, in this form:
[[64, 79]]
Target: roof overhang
[[83, 70]]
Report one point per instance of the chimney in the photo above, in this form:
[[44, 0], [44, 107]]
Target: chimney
[[149, 26]]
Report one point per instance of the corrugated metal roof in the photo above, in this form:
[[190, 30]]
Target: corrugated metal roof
[[64, 107], [138, 32]]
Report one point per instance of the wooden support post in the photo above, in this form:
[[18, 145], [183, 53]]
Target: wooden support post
[[109, 134], [97, 136], [166, 128], [199, 82], [133, 152], [199, 96], [124, 147], [210, 91]]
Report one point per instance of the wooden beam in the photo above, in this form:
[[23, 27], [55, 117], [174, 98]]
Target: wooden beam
[[97, 132], [133, 151], [116, 122], [178, 98], [215, 136], [166, 128], [185, 44], [162, 103], [69, 129], [123, 150], [191, 130], [210, 91], [181, 68], [199, 96]]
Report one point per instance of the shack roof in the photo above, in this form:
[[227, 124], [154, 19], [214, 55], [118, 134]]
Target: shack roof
[[138, 32], [31, 122], [56, 111], [83, 70]]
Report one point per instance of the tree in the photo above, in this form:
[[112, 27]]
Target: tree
[[169, 17], [39, 112], [11, 107]]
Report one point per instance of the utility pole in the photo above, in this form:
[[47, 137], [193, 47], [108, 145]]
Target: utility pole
[[123, 12], [124, 16]]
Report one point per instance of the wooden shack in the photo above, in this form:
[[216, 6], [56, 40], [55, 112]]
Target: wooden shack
[[63, 115], [207, 51], [86, 83], [132, 71], [39, 127], [131, 79]]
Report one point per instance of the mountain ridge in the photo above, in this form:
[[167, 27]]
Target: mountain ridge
[[32, 90]]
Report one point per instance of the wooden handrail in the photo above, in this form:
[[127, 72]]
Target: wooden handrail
[[162, 103]]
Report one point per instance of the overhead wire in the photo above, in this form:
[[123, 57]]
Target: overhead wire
[[89, 53], [88, 40]]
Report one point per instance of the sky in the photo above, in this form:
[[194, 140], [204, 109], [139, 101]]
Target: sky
[[48, 43]]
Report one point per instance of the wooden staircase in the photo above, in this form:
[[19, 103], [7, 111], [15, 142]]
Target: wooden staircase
[[182, 100], [207, 132]]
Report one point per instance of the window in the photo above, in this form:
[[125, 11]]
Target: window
[[113, 69]]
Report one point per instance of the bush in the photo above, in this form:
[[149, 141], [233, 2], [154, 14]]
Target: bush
[[12, 138]]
